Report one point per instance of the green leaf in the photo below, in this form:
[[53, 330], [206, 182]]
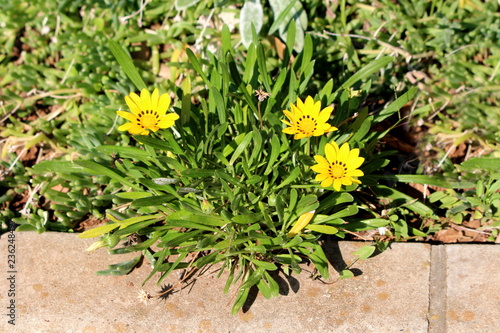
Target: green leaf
[[435, 180], [364, 252], [98, 231], [240, 300], [197, 66], [264, 264], [211, 220], [134, 195], [324, 229], [138, 247], [247, 218], [375, 223], [198, 173], [288, 13], [306, 204], [287, 259], [273, 156], [293, 242], [156, 200], [190, 225], [219, 103], [318, 258], [170, 145], [131, 152], [490, 164], [102, 170], [26, 227], [411, 203], [291, 177], [55, 166], [348, 211], [280, 13], [365, 72], [346, 274], [122, 268], [126, 64], [261, 63], [397, 104], [241, 147], [251, 14]]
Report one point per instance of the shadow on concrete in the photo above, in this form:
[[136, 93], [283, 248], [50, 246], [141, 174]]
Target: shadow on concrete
[[335, 258], [285, 282]]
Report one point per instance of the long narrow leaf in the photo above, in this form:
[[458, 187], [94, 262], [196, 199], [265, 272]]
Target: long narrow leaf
[[126, 64], [365, 72], [99, 169]]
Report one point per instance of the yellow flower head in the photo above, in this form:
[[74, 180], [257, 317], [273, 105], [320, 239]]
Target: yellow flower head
[[148, 113], [340, 167], [307, 120]]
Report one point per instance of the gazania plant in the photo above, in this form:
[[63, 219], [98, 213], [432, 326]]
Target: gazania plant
[[227, 166]]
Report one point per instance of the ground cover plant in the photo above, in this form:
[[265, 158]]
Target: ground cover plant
[[246, 132]]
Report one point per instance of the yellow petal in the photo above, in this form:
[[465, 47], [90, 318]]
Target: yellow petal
[[137, 100], [163, 104], [320, 177], [145, 100], [327, 182], [319, 168], [300, 136], [357, 181], [355, 173], [343, 153], [355, 163], [321, 160], [154, 99], [125, 127], [324, 115], [299, 104], [168, 120], [289, 130], [132, 104], [331, 152], [290, 116], [127, 115], [135, 129], [337, 183], [297, 112], [312, 108], [346, 180]]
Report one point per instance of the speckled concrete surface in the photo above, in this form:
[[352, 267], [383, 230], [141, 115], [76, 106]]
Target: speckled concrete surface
[[57, 291]]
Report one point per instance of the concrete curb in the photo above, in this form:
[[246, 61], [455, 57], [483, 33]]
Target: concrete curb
[[400, 290]]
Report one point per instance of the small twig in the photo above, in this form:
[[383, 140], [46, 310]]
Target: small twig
[[398, 50], [459, 227], [124, 19], [25, 210]]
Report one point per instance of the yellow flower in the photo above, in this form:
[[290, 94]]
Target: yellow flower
[[302, 222], [340, 167], [307, 120], [148, 113]]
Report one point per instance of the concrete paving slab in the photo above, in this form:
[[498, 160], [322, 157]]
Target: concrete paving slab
[[473, 291], [57, 291]]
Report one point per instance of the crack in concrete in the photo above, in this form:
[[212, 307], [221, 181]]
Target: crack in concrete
[[438, 293]]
